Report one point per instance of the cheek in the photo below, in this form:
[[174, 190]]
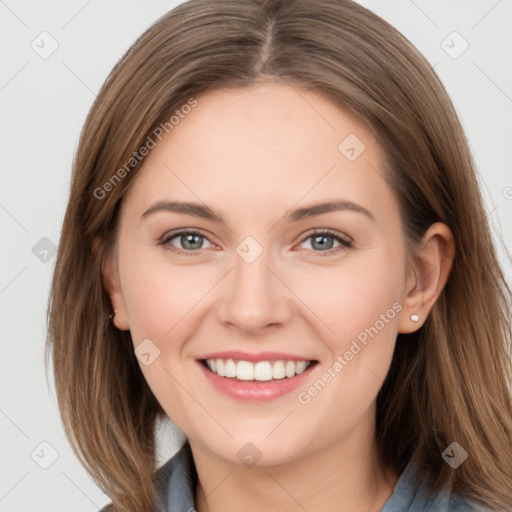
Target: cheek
[[159, 295], [360, 293], [162, 302], [360, 304]]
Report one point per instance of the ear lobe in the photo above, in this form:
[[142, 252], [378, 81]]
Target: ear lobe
[[112, 285], [432, 263]]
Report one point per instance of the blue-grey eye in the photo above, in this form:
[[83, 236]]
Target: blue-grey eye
[[324, 241], [186, 240]]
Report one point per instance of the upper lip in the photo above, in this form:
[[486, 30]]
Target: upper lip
[[260, 356]]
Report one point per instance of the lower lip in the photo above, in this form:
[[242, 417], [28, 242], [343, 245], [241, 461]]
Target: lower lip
[[252, 391]]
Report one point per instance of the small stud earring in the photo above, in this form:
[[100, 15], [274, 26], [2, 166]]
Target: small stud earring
[[415, 318], [112, 315]]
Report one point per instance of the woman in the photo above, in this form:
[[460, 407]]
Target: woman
[[275, 238]]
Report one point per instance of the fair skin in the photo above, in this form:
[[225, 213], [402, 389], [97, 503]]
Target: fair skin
[[253, 156]]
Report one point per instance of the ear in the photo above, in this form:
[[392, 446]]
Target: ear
[[112, 285], [428, 271]]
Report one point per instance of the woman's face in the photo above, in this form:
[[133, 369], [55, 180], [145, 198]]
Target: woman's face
[[259, 286]]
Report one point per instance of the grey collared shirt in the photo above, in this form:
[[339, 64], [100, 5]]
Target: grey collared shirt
[[177, 480]]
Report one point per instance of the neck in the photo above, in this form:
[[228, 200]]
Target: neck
[[345, 477]]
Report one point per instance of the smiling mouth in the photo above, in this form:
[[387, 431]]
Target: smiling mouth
[[262, 371]]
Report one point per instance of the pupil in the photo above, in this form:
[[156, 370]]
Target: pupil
[[189, 239], [322, 244]]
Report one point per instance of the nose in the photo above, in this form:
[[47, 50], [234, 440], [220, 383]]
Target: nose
[[254, 296]]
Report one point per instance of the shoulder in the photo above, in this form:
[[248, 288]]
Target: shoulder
[[460, 504], [412, 493], [175, 483]]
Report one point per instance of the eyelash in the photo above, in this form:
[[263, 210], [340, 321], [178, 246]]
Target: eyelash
[[344, 243]]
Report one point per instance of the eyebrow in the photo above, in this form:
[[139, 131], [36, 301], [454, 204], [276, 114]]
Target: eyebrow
[[205, 212]]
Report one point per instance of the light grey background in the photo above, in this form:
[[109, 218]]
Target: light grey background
[[44, 102]]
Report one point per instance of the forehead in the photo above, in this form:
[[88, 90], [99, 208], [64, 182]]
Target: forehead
[[266, 123], [265, 146]]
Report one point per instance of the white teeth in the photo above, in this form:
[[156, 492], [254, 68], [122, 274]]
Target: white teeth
[[244, 370], [263, 371], [260, 371], [278, 371], [230, 368], [220, 368], [301, 366], [290, 368]]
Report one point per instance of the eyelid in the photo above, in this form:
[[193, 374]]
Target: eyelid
[[329, 232], [168, 235]]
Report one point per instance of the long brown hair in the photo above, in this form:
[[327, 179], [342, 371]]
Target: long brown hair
[[449, 381]]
